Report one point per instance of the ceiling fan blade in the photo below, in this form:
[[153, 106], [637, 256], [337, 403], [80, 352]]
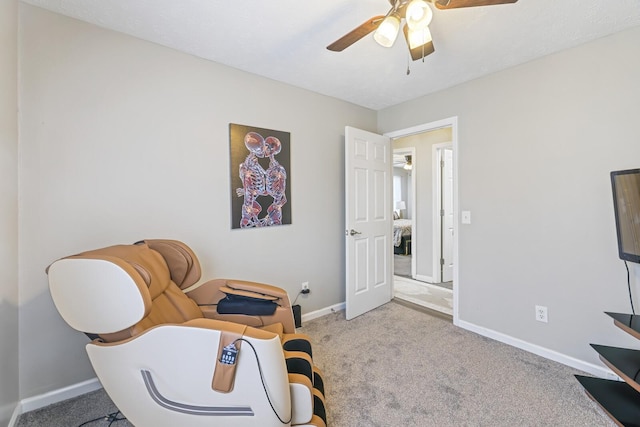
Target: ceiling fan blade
[[453, 4], [356, 34], [420, 51]]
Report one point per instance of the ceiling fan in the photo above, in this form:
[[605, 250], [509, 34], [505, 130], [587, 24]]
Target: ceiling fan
[[417, 15]]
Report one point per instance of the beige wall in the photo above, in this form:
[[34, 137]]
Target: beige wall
[[124, 140], [8, 208], [536, 145]]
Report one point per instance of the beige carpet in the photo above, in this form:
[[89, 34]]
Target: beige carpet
[[397, 366], [431, 296]]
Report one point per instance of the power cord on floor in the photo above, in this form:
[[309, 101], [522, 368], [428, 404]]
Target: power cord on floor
[[112, 418]]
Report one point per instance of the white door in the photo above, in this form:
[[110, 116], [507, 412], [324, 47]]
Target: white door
[[447, 217], [368, 161]]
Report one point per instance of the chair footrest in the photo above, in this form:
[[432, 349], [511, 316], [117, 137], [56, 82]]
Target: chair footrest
[[318, 407]]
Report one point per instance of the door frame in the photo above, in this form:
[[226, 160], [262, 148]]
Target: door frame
[[426, 127], [412, 152]]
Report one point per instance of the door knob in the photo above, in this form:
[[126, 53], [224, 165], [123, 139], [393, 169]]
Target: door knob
[[354, 232]]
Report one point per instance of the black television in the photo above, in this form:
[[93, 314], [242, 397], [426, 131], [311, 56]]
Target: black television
[[626, 204]]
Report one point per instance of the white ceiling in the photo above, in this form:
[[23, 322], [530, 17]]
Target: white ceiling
[[286, 40]]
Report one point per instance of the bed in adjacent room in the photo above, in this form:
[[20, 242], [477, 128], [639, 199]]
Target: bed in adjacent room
[[402, 236]]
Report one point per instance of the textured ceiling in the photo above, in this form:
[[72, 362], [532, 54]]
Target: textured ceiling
[[286, 40]]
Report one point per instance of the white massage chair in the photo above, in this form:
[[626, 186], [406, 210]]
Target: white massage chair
[[172, 352]]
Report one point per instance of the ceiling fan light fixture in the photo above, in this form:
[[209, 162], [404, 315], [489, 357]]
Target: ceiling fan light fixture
[[387, 32], [407, 165], [418, 38], [418, 14]]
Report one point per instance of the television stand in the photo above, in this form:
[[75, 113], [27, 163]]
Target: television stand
[[620, 400]]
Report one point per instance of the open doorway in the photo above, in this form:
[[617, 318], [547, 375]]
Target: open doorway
[[403, 211], [424, 265], [443, 223]]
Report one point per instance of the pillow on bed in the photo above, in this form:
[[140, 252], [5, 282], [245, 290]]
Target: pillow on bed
[[395, 215]]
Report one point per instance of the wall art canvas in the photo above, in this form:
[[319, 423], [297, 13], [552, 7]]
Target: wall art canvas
[[260, 179]]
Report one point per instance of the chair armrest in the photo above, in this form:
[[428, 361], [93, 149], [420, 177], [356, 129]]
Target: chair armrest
[[207, 295], [210, 291], [259, 288]]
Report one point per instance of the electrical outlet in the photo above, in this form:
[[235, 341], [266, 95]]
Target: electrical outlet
[[305, 287], [542, 314]]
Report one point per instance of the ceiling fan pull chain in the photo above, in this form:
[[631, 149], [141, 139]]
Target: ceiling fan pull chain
[[408, 66]]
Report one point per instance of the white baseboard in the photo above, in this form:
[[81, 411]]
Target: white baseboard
[[323, 312], [54, 396], [596, 370], [9, 412], [422, 278]]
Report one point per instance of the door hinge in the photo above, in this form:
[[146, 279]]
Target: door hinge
[[441, 212], [441, 261]]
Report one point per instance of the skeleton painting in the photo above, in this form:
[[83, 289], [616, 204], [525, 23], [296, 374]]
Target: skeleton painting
[[260, 187]]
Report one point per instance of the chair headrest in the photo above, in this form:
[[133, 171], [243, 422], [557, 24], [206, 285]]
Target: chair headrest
[[182, 261], [110, 289]]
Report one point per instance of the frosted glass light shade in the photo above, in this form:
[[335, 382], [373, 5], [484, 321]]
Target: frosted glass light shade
[[387, 32], [419, 37], [418, 14]]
